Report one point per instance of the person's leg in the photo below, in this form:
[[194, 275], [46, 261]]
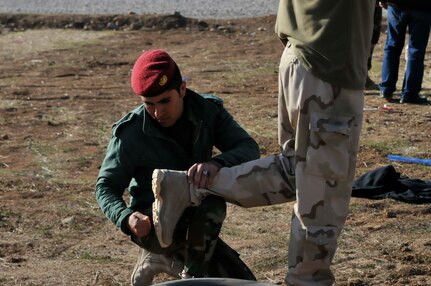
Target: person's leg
[[324, 122], [261, 182], [205, 223], [394, 45], [419, 29], [154, 259], [150, 264], [377, 25]]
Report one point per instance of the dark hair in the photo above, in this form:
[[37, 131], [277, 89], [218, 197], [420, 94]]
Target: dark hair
[[176, 81]]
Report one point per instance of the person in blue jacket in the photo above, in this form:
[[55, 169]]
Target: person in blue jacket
[[173, 128]]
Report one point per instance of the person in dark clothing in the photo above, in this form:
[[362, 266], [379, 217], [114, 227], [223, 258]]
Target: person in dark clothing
[[377, 27], [414, 16], [173, 128]]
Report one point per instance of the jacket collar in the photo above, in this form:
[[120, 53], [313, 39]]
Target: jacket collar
[[192, 112]]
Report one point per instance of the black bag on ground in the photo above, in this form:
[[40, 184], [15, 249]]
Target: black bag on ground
[[226, 263]]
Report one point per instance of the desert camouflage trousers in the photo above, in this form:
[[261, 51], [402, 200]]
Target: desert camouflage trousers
[[319, 125], [319, 128]]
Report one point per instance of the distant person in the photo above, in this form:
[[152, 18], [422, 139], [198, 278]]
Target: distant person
[[377, 27], [416, 17], [174, 128], [322, 76]]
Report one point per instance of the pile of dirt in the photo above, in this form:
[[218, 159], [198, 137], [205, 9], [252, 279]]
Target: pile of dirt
[[132, 21]]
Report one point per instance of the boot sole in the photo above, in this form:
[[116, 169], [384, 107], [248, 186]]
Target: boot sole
[[157, 177]]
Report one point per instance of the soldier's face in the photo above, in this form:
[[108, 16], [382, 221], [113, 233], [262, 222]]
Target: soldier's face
[[166, 108]]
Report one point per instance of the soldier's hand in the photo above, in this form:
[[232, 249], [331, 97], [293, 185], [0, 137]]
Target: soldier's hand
[[139, 224], [202, 175]]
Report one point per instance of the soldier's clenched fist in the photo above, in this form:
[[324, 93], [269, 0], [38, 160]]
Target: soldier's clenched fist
[[139, 224]]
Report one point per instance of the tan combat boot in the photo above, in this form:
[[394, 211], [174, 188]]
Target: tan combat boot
[[262, 182], [150, 264]]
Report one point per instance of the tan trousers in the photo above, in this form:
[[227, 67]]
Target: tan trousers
[[319, 125], [319, 128]]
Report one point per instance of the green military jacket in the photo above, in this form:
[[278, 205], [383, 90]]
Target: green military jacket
[[138, 146]]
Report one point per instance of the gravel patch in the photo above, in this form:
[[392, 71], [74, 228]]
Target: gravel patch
[[200, 9]]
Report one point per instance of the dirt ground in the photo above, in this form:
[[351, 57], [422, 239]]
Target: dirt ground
[[65, 80]]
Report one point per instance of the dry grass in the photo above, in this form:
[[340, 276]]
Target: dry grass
[[58, 99]]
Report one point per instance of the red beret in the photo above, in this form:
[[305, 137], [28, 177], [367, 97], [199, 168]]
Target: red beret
[[152, 73]]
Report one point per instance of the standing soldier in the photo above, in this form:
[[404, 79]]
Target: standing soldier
[[322, 75]]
